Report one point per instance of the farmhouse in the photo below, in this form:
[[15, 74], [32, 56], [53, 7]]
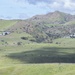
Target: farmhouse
[[4, 33], [72, 36]]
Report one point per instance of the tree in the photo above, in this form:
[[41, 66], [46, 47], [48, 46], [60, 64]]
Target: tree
[[24, 38], [19, 43]]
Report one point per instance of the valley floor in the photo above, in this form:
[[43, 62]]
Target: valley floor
[[30, 58], [38, 69]]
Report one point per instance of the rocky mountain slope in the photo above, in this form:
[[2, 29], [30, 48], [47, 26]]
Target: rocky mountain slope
[[45, 28]]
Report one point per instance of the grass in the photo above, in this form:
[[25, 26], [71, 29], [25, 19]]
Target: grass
[[65, 42], [38, 69], [31, 58], [52, 25], [70, 23], [14, 38], [5, 24]]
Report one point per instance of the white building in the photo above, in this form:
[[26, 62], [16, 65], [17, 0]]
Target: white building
[[5, 33], [72, 36]]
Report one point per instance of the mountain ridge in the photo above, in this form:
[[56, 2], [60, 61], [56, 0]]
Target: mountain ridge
[[45, 28]]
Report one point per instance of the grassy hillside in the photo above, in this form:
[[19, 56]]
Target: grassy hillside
[[32, 58], [15, 39], [18, 60], [65, 42], [5, 24]]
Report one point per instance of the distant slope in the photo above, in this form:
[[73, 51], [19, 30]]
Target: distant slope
[[5, 24]]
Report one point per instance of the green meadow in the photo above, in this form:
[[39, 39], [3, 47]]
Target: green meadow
[[20, 54], [31, 58], [38, 69]]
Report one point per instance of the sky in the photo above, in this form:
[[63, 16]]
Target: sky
[[23, 9]]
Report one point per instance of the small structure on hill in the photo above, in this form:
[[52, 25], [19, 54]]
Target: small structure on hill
[[4, 33], [72, 36]]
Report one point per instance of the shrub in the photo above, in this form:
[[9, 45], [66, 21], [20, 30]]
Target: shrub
[[57, 43], [19, 43], [2, 40], [24, 38], [33, 40]]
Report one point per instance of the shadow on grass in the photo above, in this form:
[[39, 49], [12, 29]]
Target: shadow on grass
[[46, 55]]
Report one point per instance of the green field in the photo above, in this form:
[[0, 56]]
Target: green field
[[30, 58], [38, 69], [25, 57]]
